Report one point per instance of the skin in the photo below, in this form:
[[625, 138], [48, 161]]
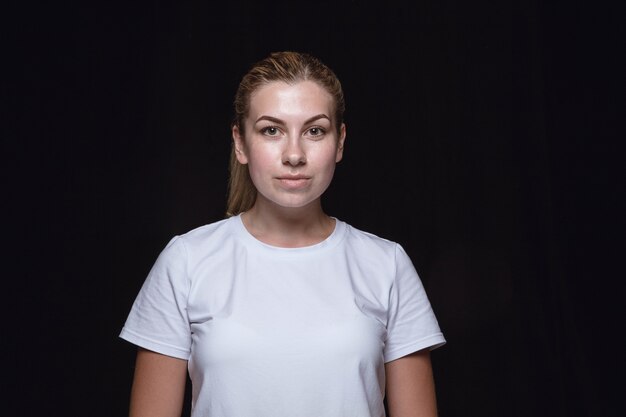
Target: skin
[[158, 386], [410, 386], [291, 145]]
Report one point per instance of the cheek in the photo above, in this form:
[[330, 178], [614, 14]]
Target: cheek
[[260, 160], [327, 160]]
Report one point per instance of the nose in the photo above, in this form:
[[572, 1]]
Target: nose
[[293, 153]]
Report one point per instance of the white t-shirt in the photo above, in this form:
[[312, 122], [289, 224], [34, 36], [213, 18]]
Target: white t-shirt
[[283, 332]]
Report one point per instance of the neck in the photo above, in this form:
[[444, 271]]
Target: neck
[[288, 227]]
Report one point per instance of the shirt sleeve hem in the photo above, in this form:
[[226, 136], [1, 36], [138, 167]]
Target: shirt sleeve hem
[[431, 342], [153, 345]]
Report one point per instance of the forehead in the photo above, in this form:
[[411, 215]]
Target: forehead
[[278, 98]]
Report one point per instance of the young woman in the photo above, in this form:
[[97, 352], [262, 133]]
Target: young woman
[[280, 309]]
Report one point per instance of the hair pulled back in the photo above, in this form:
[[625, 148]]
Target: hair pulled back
[[288, 67]]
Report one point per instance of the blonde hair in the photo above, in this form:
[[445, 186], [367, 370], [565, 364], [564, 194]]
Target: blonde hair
[[291, 68]]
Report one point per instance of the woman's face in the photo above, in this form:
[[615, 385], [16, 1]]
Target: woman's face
[[291, 143]]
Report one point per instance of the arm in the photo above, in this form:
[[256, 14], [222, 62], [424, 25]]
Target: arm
[[158, 386], [410, 386]]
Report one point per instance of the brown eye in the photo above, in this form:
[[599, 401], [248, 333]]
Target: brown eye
[[270, 131], [316, 131]]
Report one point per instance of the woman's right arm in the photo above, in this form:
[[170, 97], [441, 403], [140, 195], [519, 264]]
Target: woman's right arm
[[158, 386]]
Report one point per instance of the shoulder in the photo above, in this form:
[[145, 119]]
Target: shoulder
[[208, 237], [369, 244], [210, 242], [198, 243], [358, 236], [208, 230]]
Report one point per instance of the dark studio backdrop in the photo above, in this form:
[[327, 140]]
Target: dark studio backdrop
[[485, 137]]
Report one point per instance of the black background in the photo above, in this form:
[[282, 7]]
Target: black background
[[485, 137]]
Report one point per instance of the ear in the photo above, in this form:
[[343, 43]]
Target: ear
[[239, 144], [340, 142]]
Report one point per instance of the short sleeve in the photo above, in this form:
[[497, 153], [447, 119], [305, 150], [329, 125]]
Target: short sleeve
[[158, 319], [411, 324]]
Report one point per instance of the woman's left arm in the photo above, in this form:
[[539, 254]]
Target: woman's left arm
[[410, 386]]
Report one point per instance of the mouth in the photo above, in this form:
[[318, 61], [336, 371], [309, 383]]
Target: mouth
[[294, 177], [294, 181]]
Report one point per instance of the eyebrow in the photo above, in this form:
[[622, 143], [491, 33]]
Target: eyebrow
[[280, 122]]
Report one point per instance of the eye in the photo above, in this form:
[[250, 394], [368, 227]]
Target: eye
[[270, 131], [316, 131]]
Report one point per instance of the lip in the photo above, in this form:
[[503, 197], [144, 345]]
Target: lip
[[294, 177], [294, 181]]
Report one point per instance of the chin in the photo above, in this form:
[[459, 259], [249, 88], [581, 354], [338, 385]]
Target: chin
[[295, 203]]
